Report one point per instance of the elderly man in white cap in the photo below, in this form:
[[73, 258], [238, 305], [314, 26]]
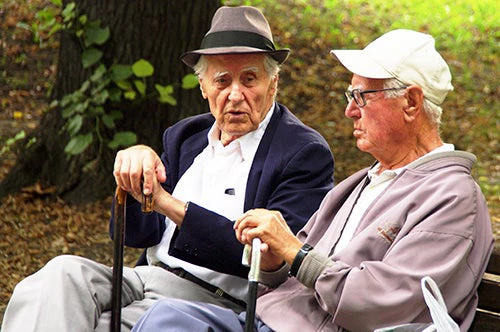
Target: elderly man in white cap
[[358, 263], [248, 152]]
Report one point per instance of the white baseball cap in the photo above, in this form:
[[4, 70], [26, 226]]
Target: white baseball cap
[[409, 56]]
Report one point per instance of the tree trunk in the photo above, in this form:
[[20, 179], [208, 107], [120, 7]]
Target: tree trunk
[[158, 31]]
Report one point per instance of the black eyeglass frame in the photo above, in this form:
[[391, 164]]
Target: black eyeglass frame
[[359, 95]]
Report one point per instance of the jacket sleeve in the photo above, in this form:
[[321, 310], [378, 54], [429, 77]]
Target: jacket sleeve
[[445, 237], [295, 189]]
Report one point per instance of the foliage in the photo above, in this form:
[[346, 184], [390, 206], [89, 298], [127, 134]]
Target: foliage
[[95, 105], [466, 33], [13, 140]]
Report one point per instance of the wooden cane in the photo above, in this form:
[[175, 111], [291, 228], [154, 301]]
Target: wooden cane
[[118, 237]]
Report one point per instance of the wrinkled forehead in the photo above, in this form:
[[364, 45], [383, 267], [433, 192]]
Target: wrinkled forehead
[[235, 63]]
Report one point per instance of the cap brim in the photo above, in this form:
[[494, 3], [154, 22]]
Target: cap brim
[[191, 58], [360, 63]]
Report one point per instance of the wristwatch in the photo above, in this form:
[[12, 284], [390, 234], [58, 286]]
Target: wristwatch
[[297, 261]]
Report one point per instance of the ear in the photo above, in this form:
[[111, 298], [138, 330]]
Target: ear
[[274, 84], [415, 102], [203, 93]]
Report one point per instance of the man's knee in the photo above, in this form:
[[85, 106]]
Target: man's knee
[[60, 267]]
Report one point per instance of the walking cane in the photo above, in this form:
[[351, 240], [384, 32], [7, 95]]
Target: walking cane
[[118, 238], [253, 282]]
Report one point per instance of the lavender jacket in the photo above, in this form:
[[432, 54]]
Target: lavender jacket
[[432, 220]]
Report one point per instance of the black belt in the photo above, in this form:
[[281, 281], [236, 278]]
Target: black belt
[[188, 276]]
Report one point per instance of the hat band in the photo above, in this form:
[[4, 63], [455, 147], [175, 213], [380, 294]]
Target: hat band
[[237, 38]]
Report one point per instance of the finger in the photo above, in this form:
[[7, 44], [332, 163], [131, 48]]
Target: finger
[[135, 174], [161, 173], [116, 169], [148, 174], [264, 247], [124, 172], [238, 221]]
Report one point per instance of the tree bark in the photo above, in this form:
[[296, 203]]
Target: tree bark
[[156, 30]]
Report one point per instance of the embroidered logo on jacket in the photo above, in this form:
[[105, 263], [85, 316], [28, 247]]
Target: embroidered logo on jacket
[[388, 231]]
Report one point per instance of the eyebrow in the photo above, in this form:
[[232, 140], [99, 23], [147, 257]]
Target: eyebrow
[[247, 69], [220, 74], [253, 69]]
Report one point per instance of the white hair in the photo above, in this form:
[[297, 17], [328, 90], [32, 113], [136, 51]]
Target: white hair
[[432, 111]]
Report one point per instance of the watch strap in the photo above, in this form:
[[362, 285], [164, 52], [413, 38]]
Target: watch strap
[[297, 261]]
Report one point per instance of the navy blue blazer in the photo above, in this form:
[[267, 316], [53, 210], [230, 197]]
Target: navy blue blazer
[[292, 171]]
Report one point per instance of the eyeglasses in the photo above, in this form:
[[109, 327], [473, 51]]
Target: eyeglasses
[[359, 95]]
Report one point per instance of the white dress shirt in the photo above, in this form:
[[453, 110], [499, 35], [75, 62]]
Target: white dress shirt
[[217, 181]]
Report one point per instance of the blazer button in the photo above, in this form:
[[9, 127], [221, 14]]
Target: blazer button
[[195, 252], [186, 248]]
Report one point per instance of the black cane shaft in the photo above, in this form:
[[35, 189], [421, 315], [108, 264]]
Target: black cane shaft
[[118, 236], [251, 302]]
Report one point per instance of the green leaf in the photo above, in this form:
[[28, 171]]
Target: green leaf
[[53, 104], [116, 114], [140, 86], [98, 110], [78, 144], [98, 73], [123, 138], [130, 95], [90, 56], [142, 68], [165, 94], [189, 81], [83, 19], [101, 97], [68, 10], [164, 90], [68, 111], [121, 72], [108, 121], [95, 35], [124, 85], [115, 94], [75, 124]]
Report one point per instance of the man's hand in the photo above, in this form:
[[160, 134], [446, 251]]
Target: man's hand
[[137, 169], [278, 242]]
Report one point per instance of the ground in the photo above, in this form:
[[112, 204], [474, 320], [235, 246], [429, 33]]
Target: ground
[[35, 226]]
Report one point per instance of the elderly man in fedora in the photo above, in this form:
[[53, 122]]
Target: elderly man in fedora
[[248, 152], [358, 263]]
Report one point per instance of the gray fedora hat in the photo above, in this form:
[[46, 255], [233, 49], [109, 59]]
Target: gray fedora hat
[[237, 30]]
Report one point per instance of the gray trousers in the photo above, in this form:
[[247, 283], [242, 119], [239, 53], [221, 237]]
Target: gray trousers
[[73, 294]]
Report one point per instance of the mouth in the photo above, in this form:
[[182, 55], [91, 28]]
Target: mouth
[[235, 113], [357, 132]]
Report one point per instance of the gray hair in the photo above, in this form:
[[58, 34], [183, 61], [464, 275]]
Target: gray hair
[[432, 111], [271, 66]]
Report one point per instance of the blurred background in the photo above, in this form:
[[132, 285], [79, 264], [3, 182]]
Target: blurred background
[[49, 49]]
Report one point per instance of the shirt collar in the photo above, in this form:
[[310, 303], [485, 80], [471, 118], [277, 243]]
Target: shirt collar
[[249, 142], [391, 173]]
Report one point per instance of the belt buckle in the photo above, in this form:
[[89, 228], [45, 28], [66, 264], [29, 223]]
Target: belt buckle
[[219, 292]]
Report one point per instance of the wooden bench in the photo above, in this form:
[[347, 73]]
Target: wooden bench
[[488, 310]]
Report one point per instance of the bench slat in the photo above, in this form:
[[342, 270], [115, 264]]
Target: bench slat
[[485, 321], [488, 291]]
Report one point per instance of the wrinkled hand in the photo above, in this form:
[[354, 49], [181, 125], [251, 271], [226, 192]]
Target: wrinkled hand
[[278, 242], [139, 170]]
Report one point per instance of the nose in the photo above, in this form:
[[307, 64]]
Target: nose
[[236, 95], [352, 110]]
